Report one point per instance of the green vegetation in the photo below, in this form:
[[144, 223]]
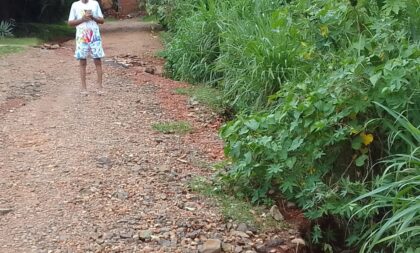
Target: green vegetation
[[159, 9], [206, 95], [19, 41], [397, 191], [30, 34], [45, 32], [176, 127], [234, 208], [45, 11], [10, 49], [110, 19], [149, 18], [23, 36], [15, 45], [327, 95]]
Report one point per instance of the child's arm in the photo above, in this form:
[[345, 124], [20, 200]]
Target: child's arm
[[98, 17], [98, 20], [77, 22]]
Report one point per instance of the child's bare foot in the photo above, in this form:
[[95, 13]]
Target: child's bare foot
[[84, 93], [100, 91]]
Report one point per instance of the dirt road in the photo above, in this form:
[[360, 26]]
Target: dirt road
[[88, 174]]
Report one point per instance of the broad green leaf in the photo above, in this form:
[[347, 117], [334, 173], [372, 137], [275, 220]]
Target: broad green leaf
[[360, 161], [394, 6], [357, 142], [360, 44], [274, 169], [374, 79], [244, 131], [248, 157], [287, 186], [252, 124], [296, 144], [290, 162]]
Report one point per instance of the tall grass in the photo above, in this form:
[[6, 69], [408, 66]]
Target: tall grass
[[257, 55], [395, 197], [193, 49]]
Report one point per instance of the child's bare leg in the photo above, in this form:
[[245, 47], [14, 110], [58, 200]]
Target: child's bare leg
[[99, 72], [83, 73]]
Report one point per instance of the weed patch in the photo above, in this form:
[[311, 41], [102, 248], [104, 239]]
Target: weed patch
[[176, 127], [149, 19], [208, 96]]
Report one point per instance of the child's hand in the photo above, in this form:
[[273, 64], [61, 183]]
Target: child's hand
[[88, 16]]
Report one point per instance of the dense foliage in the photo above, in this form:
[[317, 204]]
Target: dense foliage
[[35, 10], [328, 100], [41, 19]]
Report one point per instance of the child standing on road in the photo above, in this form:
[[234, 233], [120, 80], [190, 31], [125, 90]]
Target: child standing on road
[[85, 15]]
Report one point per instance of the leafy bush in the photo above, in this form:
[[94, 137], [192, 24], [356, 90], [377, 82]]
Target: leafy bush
[[6, 28], [168, 11], [158, 8], [304, 77], [318, 143]]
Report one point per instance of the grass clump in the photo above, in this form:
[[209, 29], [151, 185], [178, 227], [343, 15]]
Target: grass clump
[[111, 19], [206, 95], [19, 41], [10, 49], [175, 127], [149, 19], [395, 194]]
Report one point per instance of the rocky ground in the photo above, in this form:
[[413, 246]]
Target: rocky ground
[[89, 174]]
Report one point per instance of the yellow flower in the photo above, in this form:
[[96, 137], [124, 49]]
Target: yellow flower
[[324, 30], [307, 56], [382, 56], [311, 170], [367, 138]]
